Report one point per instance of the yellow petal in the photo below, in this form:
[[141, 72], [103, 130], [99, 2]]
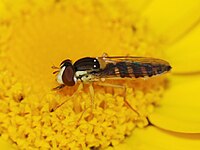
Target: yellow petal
[[172, 18], [184, 55], [180, 108], [153, 138], [137, 5]]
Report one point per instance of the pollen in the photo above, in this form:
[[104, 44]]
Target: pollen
[[37, 35]]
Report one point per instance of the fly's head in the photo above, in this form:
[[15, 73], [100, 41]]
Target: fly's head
[[66, 74]]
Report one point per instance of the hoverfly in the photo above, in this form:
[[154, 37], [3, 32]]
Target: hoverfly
[[93, 69]]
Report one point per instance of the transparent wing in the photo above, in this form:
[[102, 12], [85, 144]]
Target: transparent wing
[[132, 59], [132, 67]]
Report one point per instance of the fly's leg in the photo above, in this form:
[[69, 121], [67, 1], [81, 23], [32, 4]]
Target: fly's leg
[[91, 91], [78, 121], [58, 106], [75, 93], [124, 94], [59, 87]]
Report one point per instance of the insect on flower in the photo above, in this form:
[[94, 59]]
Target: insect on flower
[[91, 69]]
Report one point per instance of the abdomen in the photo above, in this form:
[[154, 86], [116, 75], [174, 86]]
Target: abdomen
[[134, 69]]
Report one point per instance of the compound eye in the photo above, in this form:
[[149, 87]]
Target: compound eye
[[68, 76]]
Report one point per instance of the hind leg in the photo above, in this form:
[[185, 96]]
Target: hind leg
[[124, 94]]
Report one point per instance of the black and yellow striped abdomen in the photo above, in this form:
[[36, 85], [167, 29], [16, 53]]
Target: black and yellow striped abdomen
[[134, 69]]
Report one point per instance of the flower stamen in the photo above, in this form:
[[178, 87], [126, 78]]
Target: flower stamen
[[48, 33]]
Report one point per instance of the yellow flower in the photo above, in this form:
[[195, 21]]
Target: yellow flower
[[34, 35]]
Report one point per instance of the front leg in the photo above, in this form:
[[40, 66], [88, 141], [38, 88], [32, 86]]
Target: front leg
[[75, 93], [58, 87]]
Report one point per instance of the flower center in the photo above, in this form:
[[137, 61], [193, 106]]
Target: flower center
[[37, 39]]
